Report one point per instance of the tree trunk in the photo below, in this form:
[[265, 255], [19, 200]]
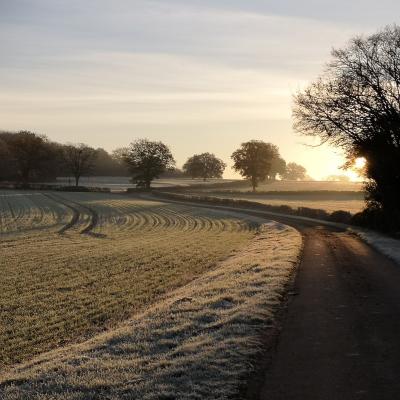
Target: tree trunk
[[25, 176], [77, 180], [254, 183]]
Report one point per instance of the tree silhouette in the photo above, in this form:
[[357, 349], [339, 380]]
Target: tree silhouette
[[278, 167], [204, 166], [253, 160], [30, 153], [5, 159], [356, 105], [294, 172], [147, 160], [79, 160]]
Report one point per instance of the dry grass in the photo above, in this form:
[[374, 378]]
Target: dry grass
[[327, 196], [295, 186], [22, 211], [115, 256], [329, 205], [197, 343]]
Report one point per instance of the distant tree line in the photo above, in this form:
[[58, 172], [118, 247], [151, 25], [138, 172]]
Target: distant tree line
[[29, 157]]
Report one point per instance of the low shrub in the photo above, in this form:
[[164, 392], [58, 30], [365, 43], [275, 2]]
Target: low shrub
[[343, 217], [312, 213], [375, 218], [82, 189]]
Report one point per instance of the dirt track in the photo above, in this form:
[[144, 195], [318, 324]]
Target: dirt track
[[340, 337]]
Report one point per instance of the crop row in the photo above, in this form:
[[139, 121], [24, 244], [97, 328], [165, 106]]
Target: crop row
[[102, 215], [57, 288]]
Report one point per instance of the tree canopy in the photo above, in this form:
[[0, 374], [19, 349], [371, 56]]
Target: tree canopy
[[79, 160], [355, 105], [205, 165], [253, 160], [30, 157], [278, 167], [147, 160], [29, 153], [294, 172]]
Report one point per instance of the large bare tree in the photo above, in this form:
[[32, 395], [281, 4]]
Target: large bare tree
[[355, 105], [79, 160]]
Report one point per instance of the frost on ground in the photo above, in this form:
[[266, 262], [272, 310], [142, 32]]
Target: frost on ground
[[198, 343], [384, 244]]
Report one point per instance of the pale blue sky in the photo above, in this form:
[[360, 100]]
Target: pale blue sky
[[200, 75]]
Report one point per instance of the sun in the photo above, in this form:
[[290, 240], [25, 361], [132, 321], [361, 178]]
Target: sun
[[360, 162], [356, 172]]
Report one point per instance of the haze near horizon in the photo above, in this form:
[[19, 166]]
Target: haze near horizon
[[198, 75]]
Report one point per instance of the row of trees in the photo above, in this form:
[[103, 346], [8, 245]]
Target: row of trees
[[26, 156], [255, 160]]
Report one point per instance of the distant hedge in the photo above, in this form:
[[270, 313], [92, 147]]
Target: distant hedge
[[46, 186], [339, 216]]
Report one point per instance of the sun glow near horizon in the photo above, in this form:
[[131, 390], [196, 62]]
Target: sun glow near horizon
[[356, 173], [226, 77]]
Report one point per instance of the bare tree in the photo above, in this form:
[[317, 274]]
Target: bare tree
[[79, 160], [355, 105], [106, 164]]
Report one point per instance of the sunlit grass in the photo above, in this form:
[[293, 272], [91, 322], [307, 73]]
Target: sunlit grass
[[59, 288]]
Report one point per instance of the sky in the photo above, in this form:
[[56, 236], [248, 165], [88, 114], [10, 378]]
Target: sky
[[199, 75]]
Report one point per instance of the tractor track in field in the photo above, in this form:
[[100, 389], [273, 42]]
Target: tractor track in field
[[76, 214], [11, 210]]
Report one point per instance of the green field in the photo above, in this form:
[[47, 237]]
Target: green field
[[74, 264]]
